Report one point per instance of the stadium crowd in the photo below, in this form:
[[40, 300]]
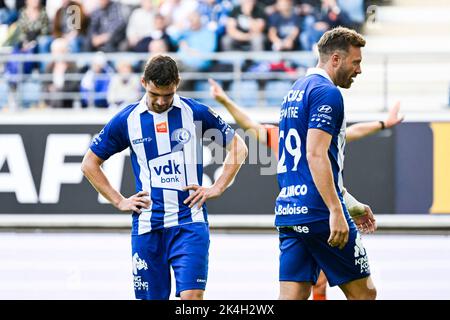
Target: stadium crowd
[[186, 27]]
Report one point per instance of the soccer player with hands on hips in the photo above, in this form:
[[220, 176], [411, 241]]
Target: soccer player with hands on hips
[[164, 133]]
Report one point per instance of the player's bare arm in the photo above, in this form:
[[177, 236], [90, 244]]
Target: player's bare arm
[[241, 117], [354, 132], [237, 153], [364, 129], [318, 143], [92, 170]]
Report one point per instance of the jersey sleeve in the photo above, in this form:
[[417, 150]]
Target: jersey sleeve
[[213, 124], [113, 138], [326, 110]]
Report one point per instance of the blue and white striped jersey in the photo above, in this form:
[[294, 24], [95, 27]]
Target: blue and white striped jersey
[[166, 155], [313, 102]]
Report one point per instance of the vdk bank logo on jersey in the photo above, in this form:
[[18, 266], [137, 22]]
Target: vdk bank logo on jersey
[[168, 171]]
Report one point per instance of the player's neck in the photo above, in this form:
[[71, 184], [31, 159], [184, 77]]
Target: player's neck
[[329, 70]]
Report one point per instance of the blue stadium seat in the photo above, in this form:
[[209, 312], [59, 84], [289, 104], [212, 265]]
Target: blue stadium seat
[[245, 93], [275, 91], [203, 87], [4, 92], [29, 93]]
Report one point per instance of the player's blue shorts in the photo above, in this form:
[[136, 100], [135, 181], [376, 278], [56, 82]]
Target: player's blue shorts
[[305, 251], [184, 248]]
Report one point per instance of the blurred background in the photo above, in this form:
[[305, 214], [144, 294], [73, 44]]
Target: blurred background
[[67, 66]]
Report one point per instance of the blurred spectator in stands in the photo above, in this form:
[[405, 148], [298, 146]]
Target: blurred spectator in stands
[[315, 25], [284, 27], [157, 32], [107, 27], [62, 73], [8, 14], [95, 82], [245, 28], [356, 12], [177, 13], [125, 86], [30, 33], [71, 23], [154, 47], [158, 46], [192, 43], [89, 6], [214, 14], [195, 41], [140, 24], [268, 6], [19, 4]]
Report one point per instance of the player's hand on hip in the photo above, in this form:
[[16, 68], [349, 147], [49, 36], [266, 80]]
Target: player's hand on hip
[[135, 203], [366, 222], [200, 195], [338, 230]]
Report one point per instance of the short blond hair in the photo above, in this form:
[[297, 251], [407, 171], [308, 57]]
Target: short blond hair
[[339, 38]]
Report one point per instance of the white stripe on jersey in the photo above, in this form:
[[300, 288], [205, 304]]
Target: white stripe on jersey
[[341, 148], [190, 158], [171, 208], [135, 132], [162, 138]]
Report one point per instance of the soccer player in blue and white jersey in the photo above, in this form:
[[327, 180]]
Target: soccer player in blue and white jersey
[[315, 228], [170, 228], [268, 134]]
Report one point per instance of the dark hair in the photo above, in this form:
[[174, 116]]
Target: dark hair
[[339, 38], [162, 71]]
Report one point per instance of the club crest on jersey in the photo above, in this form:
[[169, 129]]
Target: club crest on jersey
[[325, 109], [181, 135], [161, 127]]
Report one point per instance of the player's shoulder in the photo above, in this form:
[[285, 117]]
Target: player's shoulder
[[193, 104], [119, 123], [326, 90], [197, 107], [124, 113]]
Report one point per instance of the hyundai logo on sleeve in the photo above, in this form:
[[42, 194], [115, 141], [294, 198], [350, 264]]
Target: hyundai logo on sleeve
[[325, 109]]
